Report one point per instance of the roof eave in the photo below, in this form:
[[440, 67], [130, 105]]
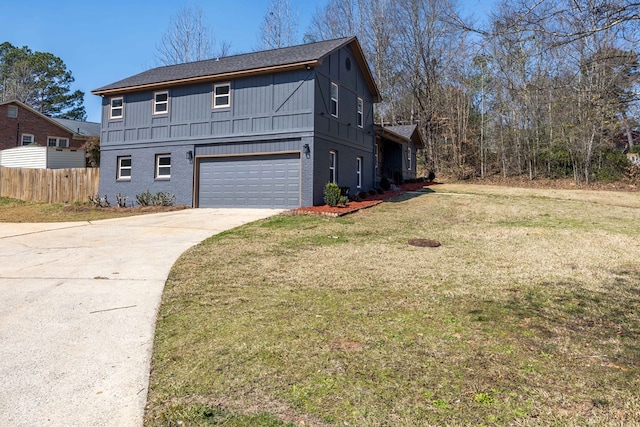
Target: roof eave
[[416, 137], [47, 118], [390, 135], [207, 78], [364, 66]]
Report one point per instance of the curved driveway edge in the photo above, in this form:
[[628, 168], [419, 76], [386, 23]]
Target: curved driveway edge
[[78, 304]]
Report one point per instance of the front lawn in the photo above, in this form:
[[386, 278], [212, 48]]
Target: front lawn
[[12, 210], [527, 314]]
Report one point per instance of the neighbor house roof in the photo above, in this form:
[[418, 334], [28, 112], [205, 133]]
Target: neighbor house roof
[[401, 133], [79, 128], [293, 57]]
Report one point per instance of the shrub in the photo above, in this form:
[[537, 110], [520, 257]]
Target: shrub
[[145, 199], [165, 198], [397, 177], [432, 176], [611, 165], [344, 200], [379, 190], [385, 184], [161, 198], [93, 152], [121, 200], [332, 194], [362, 194], [99, 202], [373, 192]]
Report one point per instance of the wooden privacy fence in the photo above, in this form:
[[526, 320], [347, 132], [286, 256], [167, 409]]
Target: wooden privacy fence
[[49, 185]]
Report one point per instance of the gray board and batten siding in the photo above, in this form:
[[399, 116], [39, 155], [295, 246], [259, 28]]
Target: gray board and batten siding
[[264, 110], [260, 105], [342, 134], [278, 127]]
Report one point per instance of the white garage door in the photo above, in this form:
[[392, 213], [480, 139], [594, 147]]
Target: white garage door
[[263, 181]]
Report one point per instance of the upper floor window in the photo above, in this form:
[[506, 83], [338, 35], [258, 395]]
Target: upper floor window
[[160, 102], [12, 111], [54, 141], [360, 112], [116, 108], [163, 166], [124, 168], [332, 166], [222, 95], [27, 139], [334, 99]]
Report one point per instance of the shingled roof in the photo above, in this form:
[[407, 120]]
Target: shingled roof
[[79, 127], [401, 133], [293, 57]]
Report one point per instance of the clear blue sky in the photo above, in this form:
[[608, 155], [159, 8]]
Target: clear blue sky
[[102, 42]]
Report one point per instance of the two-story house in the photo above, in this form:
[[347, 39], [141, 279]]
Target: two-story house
[[263, 129]]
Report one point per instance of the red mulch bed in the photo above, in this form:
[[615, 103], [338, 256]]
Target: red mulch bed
[[363, 204]]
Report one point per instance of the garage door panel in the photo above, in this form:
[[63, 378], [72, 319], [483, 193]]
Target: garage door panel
[[250, 181]]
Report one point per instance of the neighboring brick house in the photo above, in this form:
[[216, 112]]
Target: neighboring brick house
[[22, 125], [263, 129]]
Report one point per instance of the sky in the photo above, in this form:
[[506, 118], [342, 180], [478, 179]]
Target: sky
[[103, 42]]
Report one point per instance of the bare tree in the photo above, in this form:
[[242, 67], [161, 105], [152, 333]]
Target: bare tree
[[566, 82], [379, 39], [188, 38], [431, 49], [543, 90], [338, 18], [278, 28]]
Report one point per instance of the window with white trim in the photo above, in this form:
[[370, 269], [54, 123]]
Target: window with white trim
[[116, 108], [163, 166], [160, 102], [334, 99], [408, 158], [124, 168], [360, 112], [332, 166], [359, 172], [12, 112], [55, 141], [222, 95], [27, 139]]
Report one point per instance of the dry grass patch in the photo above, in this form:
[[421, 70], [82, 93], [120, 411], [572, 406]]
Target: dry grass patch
[[12, 210], [527, 314]]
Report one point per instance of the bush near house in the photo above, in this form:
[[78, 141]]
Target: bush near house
[[385, 184], [333, 195]]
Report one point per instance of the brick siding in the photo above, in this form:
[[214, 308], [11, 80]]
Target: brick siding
[[11, 129]]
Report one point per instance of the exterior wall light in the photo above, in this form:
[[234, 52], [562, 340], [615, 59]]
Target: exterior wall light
[[189, 155]]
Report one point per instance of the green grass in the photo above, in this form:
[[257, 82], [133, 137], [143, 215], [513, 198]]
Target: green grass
[[526, 315]]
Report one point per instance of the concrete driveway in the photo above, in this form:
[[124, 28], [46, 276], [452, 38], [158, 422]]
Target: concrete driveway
[[78, 304]]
